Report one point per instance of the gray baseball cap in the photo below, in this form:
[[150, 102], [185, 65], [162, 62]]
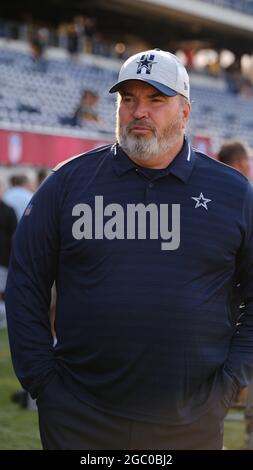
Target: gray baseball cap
[[161, 69]]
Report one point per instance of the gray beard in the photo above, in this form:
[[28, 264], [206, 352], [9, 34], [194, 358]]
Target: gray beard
[[148, 148]]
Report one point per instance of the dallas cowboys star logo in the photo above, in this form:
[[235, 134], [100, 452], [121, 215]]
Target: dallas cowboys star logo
[[201, 201], [146, 62]]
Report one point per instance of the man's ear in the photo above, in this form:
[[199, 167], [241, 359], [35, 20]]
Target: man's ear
[[186, 112]]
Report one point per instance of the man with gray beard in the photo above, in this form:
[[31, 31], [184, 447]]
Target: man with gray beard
[[140, 139], [145, 240]]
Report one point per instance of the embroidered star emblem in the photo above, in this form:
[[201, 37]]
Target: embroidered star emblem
[[145, 62], [201, 201]]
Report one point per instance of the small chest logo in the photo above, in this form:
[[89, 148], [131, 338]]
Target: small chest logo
[[201, 201]]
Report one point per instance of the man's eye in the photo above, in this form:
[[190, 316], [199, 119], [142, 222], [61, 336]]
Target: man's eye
[[157, 100], [127, 99]]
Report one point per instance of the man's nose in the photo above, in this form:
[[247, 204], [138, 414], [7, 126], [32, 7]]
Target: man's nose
[[140, 110]]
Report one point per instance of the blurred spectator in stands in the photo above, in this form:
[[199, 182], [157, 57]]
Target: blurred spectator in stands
[[72, 43], [63, 35], [19, 194], [43, 35], [234, 77], [235, 154], [78, 34], [86, 114], [90, 29], [214, 67], [8, 222], [79, 26], [37, 51], [87, 109]]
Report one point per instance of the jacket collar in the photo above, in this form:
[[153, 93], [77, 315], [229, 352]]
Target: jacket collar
[[181, 166]]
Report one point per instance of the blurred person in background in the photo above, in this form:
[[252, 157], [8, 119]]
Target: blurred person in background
[[148, 353], [86, 113], [19, 194], [38, 62], [235, 154], [87, 110], [8, 224]]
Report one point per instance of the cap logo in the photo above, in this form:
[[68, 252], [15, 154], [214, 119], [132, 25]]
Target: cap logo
[[146, 62]]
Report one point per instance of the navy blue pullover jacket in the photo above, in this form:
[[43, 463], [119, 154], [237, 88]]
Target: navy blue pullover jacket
[[143, 332]]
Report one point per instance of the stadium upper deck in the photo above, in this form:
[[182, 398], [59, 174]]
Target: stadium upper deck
[[37, 99], [244, 6]]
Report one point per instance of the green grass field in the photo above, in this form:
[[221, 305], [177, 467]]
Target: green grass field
[[19, 427]]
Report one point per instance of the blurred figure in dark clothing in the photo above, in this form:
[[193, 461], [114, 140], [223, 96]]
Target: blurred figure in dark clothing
[[8, 223], [234, 153], [38, 62]]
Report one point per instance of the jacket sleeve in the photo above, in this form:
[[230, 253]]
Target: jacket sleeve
[[239, 362], [32, 271]]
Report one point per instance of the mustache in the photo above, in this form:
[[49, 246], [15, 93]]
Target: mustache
[[140, 123]]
